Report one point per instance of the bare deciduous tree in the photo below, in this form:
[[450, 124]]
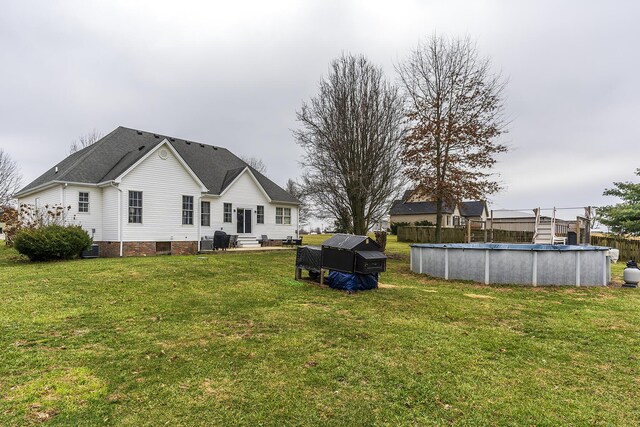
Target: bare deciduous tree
[[296, 190], [455, 107], [10, 178], [255, 163], [84, 141], [351, 133]]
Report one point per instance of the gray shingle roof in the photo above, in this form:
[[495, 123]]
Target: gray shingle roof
[[467, 209], [400, 207], [472, 208], [113, 154]]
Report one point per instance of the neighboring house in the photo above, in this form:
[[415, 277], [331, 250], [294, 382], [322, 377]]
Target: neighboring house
[[412, 208], [2, 227], [139, 193], [475, 211]]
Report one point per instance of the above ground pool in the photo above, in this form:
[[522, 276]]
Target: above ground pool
[[524, 264]]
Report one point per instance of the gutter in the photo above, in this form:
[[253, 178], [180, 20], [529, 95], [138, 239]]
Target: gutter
[[54, 183]]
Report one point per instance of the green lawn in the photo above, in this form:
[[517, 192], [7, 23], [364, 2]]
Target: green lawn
[[232, 339]]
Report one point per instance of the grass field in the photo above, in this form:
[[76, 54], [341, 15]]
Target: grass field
[[232, 339]]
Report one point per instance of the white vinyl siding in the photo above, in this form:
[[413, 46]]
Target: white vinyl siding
[[163, 183], [245, 194], [110, 217], [69, 197]]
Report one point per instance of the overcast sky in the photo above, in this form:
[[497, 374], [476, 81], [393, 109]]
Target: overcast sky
[[234, 73]]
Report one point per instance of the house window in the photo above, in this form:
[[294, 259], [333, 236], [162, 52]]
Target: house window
[[83, 201], [226, 216], [283, 216], [187, 210], [260, 215], [205, 214], [448, 217], [135, 207]]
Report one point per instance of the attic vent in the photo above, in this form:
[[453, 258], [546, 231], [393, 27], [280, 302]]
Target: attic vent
[[215, 148], [139, 132], [202, 145], [141, 148], [156, 135], [172, 139], [188, 143], [163, 154]]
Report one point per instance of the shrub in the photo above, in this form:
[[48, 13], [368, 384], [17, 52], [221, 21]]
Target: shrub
[[424, 223], [52, 242], [395, 225]]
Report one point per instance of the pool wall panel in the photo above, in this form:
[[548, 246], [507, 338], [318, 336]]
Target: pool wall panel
[[514, 264]]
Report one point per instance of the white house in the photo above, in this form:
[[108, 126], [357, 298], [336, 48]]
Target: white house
[[139, 193]]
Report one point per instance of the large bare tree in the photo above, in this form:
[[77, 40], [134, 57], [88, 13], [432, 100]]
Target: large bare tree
[[84, 141], [10, 178], [351, 132], [455, 108], [255, 163], [297, 191]]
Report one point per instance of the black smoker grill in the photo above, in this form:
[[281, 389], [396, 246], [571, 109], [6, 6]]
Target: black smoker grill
[[308, 258], [353, 254]]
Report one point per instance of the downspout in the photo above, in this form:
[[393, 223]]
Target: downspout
[[298, 222], [119, 216], [64, 204], [199, 218]]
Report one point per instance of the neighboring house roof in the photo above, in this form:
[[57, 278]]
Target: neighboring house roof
[[416, 208], [112, 155], [472, 208]]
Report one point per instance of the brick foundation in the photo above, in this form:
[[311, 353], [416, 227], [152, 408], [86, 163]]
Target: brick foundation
[[112, 249], [109, 249], [184, 248]]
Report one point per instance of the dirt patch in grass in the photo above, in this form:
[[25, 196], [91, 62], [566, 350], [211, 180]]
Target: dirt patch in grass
[[386, 286], [479, 296], [37, 415], [58, 390]]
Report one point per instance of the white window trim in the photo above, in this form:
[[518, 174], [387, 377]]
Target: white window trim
[[290, 216], [230, 213], [88, 211], [141, 208], [202, 202], [193, 210]]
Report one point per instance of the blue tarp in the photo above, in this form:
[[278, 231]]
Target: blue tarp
[[352, 281]]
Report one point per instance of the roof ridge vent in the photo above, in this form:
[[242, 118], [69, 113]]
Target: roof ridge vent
[[139, 132], [172, 139], [215, 148], [155, 135], [141, 148], [202, 145], [188, 142]]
